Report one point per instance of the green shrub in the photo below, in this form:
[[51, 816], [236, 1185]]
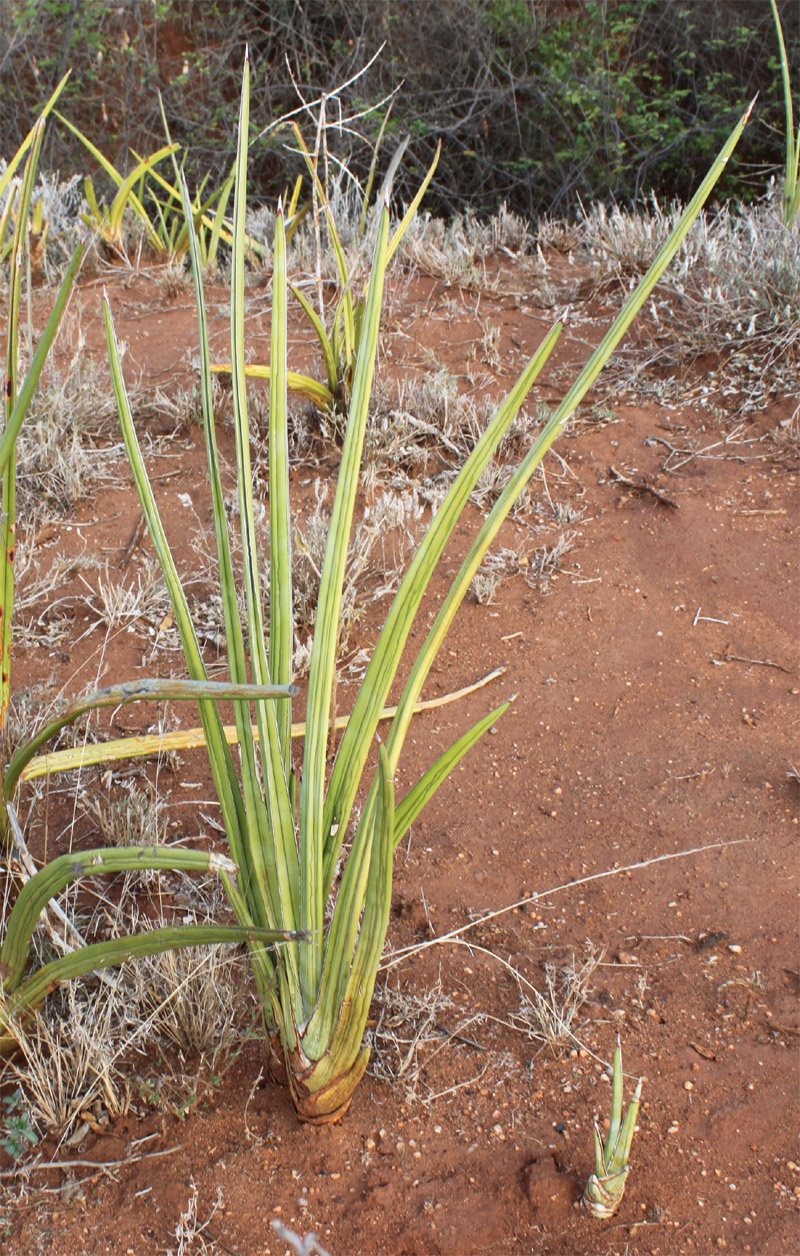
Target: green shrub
[[537, 103]]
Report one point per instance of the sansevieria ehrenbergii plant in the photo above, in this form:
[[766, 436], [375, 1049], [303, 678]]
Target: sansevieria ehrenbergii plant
[[287, 835], [606, 1186]]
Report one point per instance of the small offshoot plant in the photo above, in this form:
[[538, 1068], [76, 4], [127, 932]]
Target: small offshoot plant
[[312, 866], [606, 1186], [21, 990], [340, 343], [156, 205]]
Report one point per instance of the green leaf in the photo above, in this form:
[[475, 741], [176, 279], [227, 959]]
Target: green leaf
[[61, 872], [8, 524], [25, 395], [253, 807], [357, 738], [281, 635], [326, 632], [273, 847], [341, 1014], [414, 206], [555, 426], [221, 762], [437, 773], [100, 955], [8, 173], [328, 354]]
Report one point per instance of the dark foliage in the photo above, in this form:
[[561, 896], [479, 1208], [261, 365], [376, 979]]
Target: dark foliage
[[538, 102]]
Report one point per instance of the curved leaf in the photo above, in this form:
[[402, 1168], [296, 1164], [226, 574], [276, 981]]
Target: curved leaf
[[136, 691], [60, 872]]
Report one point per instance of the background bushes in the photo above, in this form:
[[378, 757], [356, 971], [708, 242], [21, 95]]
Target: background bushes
[[539, 103]]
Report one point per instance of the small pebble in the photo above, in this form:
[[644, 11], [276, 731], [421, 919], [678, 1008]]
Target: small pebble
[[688, 1085], [370, 1144], [734, 948]]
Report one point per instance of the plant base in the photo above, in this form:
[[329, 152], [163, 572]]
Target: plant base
[[603, 1196], [314, 1103]]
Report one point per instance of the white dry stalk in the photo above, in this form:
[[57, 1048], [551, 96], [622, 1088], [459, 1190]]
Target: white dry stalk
[[308, 1246], [188, 1232]]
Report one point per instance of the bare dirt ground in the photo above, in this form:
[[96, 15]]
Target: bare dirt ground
[[639, 793]]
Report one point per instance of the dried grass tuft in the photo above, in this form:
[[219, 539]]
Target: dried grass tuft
[[551, 1016]]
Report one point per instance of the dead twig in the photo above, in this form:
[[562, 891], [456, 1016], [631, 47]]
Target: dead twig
[[100, 1165], [726, 657], [136, 537], [406, 952], [642, 485]]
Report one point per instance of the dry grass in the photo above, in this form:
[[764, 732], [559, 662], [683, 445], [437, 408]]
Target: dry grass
[[425, 431], [62, 204], [410, 1032], [74, 1070], [136, 604], [194, 999], [537, 567], [69, 1067], [454, 250], [62, 452], [551, 1016], [134, 819], [381, 543], [734, 290]]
